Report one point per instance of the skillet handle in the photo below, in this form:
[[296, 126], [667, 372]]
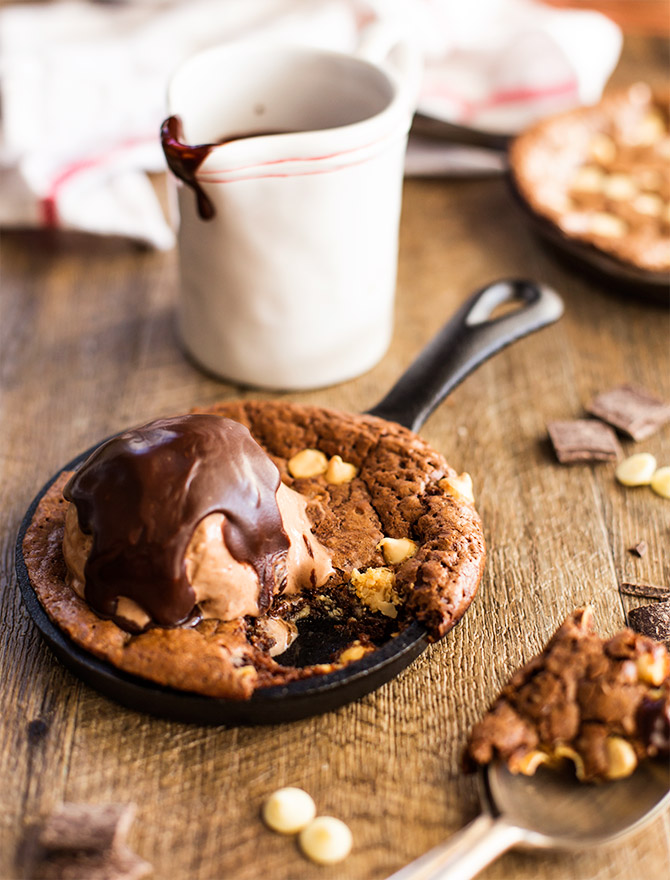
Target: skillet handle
[[466, 341]]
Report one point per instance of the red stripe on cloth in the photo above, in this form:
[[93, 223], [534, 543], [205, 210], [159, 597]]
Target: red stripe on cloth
[[505, 96], [512, 96], [48, 205], [48, 212]]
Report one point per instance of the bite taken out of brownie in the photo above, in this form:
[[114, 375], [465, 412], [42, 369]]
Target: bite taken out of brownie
[[601, 703], [397, 528]]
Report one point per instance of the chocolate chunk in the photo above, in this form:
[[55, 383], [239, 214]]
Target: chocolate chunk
[[646, 591], [653, 721], [115, 865], [92, 827], [638, 549], [583, 440], [87, 842], [651, 620], [632, 410]]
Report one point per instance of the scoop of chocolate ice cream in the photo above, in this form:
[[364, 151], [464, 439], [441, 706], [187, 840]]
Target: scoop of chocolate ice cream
[[186, 517]]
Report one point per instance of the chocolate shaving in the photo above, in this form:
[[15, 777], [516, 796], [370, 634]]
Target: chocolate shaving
[[638, 549], [646, 591], [88, 842], [651, 620], [583, 440], [631, 409]]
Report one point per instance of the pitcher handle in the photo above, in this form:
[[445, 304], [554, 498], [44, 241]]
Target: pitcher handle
[[381, 44]]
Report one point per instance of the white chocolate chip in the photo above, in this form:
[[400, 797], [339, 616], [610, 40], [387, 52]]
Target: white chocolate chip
[[397, 550], [307, 463], [619, 187], [529, 763], [649, 179], [660, 482], [607, 225], [353, 652], [571, 755], [575, 222], [555, 200], [339, 471], [131, 611], [663, 148], [653, 669], [326, 840], [636, 470], [460, 485], [602, 148], [288, 810], [376, 588], [621, 757], [648, 204], [640, 93], [588, 179], [649, 130]]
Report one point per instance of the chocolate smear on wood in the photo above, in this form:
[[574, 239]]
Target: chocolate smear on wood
[[651, 620], [638, 549], [646, 591], [583, 440], [631, 409]]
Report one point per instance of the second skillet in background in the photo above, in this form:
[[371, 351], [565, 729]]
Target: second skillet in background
[[594, 183]]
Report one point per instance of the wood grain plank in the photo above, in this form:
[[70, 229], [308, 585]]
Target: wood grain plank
[[88, 346]]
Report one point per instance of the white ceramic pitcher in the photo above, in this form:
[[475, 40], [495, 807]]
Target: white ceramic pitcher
[[290, 284]]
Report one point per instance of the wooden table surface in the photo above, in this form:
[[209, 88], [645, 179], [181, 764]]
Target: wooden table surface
[[88, 347]]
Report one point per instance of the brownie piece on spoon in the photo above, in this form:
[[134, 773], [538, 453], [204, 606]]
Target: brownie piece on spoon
[[601, 703]]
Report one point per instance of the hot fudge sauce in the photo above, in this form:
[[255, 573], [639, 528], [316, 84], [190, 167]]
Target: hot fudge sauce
[[185, 160], [142, 494]]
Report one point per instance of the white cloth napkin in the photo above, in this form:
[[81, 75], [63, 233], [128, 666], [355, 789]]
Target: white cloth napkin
[[82, 86]]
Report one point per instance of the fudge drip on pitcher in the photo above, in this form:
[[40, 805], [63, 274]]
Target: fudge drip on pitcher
[[184, 161]]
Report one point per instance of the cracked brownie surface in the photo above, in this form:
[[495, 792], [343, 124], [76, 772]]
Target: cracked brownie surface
[[403, 489], [601, 175], [603, 704]]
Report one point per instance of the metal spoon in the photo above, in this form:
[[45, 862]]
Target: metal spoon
[[550, 810]]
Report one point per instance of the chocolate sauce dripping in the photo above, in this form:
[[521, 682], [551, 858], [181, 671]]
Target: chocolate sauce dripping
[[142, 494], [184, 161]]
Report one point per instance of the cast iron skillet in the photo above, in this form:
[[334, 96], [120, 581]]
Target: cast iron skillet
[[578, 255], [467, 340]]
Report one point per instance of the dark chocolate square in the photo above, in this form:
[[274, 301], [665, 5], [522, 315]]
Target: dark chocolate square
[[651, 620], [632, 410], [646, 591], [583, 440]]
